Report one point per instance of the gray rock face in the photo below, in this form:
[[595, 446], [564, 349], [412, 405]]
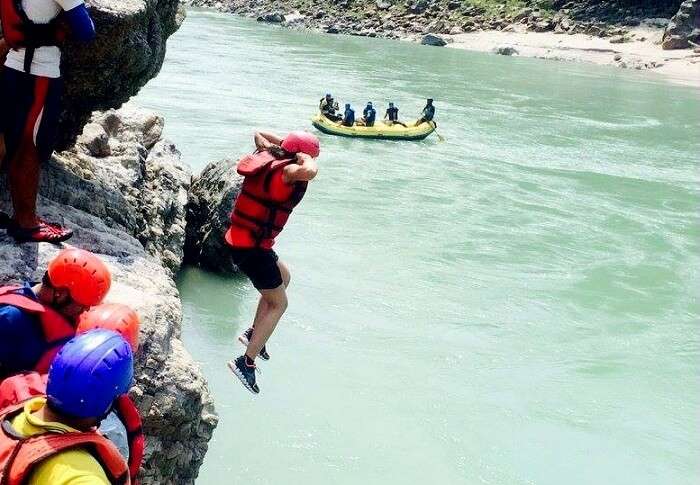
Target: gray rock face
[[169, 388], [128, 52], [684, 29], [211, 199], [434, 40], [123, 172]]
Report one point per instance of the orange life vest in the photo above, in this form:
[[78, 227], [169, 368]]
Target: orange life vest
[[19, 455], [265, 203], [20, 32], [56, 328], [22, 387]]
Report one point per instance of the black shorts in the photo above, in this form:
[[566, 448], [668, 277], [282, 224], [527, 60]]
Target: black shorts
[[30, 107], [260, 265]]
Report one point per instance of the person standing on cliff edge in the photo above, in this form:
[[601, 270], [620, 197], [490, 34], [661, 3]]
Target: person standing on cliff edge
[[30, 102], [276, 178]]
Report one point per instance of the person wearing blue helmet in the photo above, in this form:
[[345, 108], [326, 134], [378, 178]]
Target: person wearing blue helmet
[[59, 443], [349, 116], [369, 114]]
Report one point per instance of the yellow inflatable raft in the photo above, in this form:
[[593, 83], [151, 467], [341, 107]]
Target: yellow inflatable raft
[[380, 130]]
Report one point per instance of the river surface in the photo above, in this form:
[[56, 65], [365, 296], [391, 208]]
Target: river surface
[[516, 305]]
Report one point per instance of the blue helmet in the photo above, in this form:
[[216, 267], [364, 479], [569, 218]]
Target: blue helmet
[[89, 373]]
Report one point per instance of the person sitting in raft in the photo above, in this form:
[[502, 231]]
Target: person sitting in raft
[[369, 115], [276, 179], [329, 108], [349, 116], [428, 113], [49, 438], [392, 115]]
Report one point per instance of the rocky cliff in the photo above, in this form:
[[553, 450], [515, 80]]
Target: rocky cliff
[[128, 52], [123, 190]]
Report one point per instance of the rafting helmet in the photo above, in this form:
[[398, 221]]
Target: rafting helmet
[[89, 373], [302, 141], [83, 274], [112, 316]]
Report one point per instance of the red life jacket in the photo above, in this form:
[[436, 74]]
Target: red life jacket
[[56, 328], [22, 387], [19, 455], [20, 32], [265, 202]]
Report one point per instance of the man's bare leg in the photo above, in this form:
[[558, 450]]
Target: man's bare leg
[[275, 306], [271, 307]]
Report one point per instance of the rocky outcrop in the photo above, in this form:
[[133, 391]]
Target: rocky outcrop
[[684, 29], [122, 171], [211, 199], [79, 189], [434, 40], [128, 52]]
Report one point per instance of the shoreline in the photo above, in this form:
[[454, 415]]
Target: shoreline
[[630, 47], [681, 67]]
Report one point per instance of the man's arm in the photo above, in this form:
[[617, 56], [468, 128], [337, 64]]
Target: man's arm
[[263, 140], [304, 171]]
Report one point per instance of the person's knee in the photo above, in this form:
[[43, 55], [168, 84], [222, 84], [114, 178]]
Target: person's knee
[[276, 299], [284, 272]]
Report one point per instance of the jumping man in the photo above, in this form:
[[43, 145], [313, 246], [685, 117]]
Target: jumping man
[[276, 179]]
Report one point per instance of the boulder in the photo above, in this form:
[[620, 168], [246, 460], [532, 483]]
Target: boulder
[[211, 200], [383, 4], [273, 18], [505, 50], [684, 29], [434, 40], [419, 7], [127, 53], [541, 26], [138, 184]]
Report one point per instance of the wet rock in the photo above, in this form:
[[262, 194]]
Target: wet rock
[[273, 18], [332, 29], [434, 40], [211, 200], [128, 52]]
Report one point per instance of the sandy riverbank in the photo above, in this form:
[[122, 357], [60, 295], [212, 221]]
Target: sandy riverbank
[[642, 52]]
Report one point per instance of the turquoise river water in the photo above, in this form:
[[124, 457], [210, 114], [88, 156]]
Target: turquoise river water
[[516, 305]]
